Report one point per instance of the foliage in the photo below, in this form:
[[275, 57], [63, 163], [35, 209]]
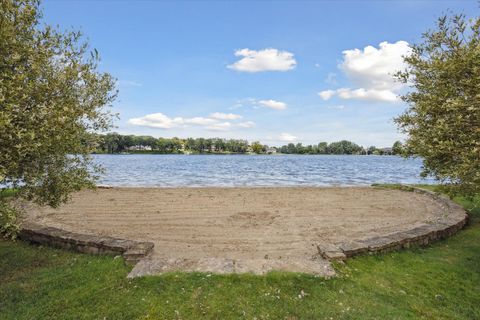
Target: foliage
[[117, 143], [437, 282], [397, 148], [340, 147], [443, 118], [8, 220], [257, 147], [373, 150], [51, 97], [344, 147]]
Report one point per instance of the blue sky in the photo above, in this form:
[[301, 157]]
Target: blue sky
[[277, 72]]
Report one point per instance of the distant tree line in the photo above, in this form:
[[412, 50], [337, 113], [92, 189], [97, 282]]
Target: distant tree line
[[340, 147], [117, 143]]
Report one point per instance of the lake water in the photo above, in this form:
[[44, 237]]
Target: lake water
[[257, 170]]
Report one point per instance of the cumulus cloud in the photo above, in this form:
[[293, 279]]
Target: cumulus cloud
[[255, 103], [225, 116], [223, 126], [367, 94], [157, 120], [287, 137], [247, 124], [360, 94], [326, 94], [201, 121], [220, 126], [277, 105], [162, 121], [263, 60], [372, 70]]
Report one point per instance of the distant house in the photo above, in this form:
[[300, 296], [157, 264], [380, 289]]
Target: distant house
[[139, 148], [271, 150]]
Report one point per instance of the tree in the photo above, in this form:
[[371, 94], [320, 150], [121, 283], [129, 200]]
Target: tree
[[372, 150], [51, 98], [201, 145], [443, 117], [208, 145], [257, 147], [112, 142], [397, 148], [190, 144], [300, 149], [291, 148], [322, 147], [344, 147]]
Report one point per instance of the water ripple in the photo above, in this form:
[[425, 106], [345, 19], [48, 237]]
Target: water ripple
[[259, 170]]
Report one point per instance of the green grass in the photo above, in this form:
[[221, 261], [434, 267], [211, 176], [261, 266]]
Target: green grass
[[438, 282], [5, 193]]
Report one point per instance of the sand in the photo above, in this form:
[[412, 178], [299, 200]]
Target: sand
[[260, 229]]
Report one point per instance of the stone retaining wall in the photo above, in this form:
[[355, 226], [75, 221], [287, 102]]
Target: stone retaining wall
[[446, 225], [132, 251]]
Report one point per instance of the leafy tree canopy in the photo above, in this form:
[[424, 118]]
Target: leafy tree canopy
[[51, 97], [443, 118]]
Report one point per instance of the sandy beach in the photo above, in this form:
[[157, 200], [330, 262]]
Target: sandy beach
[[240, 223]]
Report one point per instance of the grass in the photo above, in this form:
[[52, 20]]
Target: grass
[[441, 281], [7, 192]]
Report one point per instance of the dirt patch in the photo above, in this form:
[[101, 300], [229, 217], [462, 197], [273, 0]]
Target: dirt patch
[[256, 228]]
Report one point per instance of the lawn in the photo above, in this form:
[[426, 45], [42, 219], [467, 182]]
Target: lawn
[[441, 281]]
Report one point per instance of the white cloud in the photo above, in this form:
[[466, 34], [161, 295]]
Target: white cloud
[[221, 126], [199, 121], [277, 105], [162, 121], [326, 94], [254, 103], [367, 94], [287, 137], [157, 120], [247, 124], [225, 116], [263, 60], [360, 94], [372, 70]]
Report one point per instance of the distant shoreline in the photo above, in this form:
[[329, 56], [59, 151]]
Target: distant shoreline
[[232, 154], [117, 143]]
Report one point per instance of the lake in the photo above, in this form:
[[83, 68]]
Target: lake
[[257, 170]]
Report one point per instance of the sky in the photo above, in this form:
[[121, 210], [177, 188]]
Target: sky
[[272, 71]]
